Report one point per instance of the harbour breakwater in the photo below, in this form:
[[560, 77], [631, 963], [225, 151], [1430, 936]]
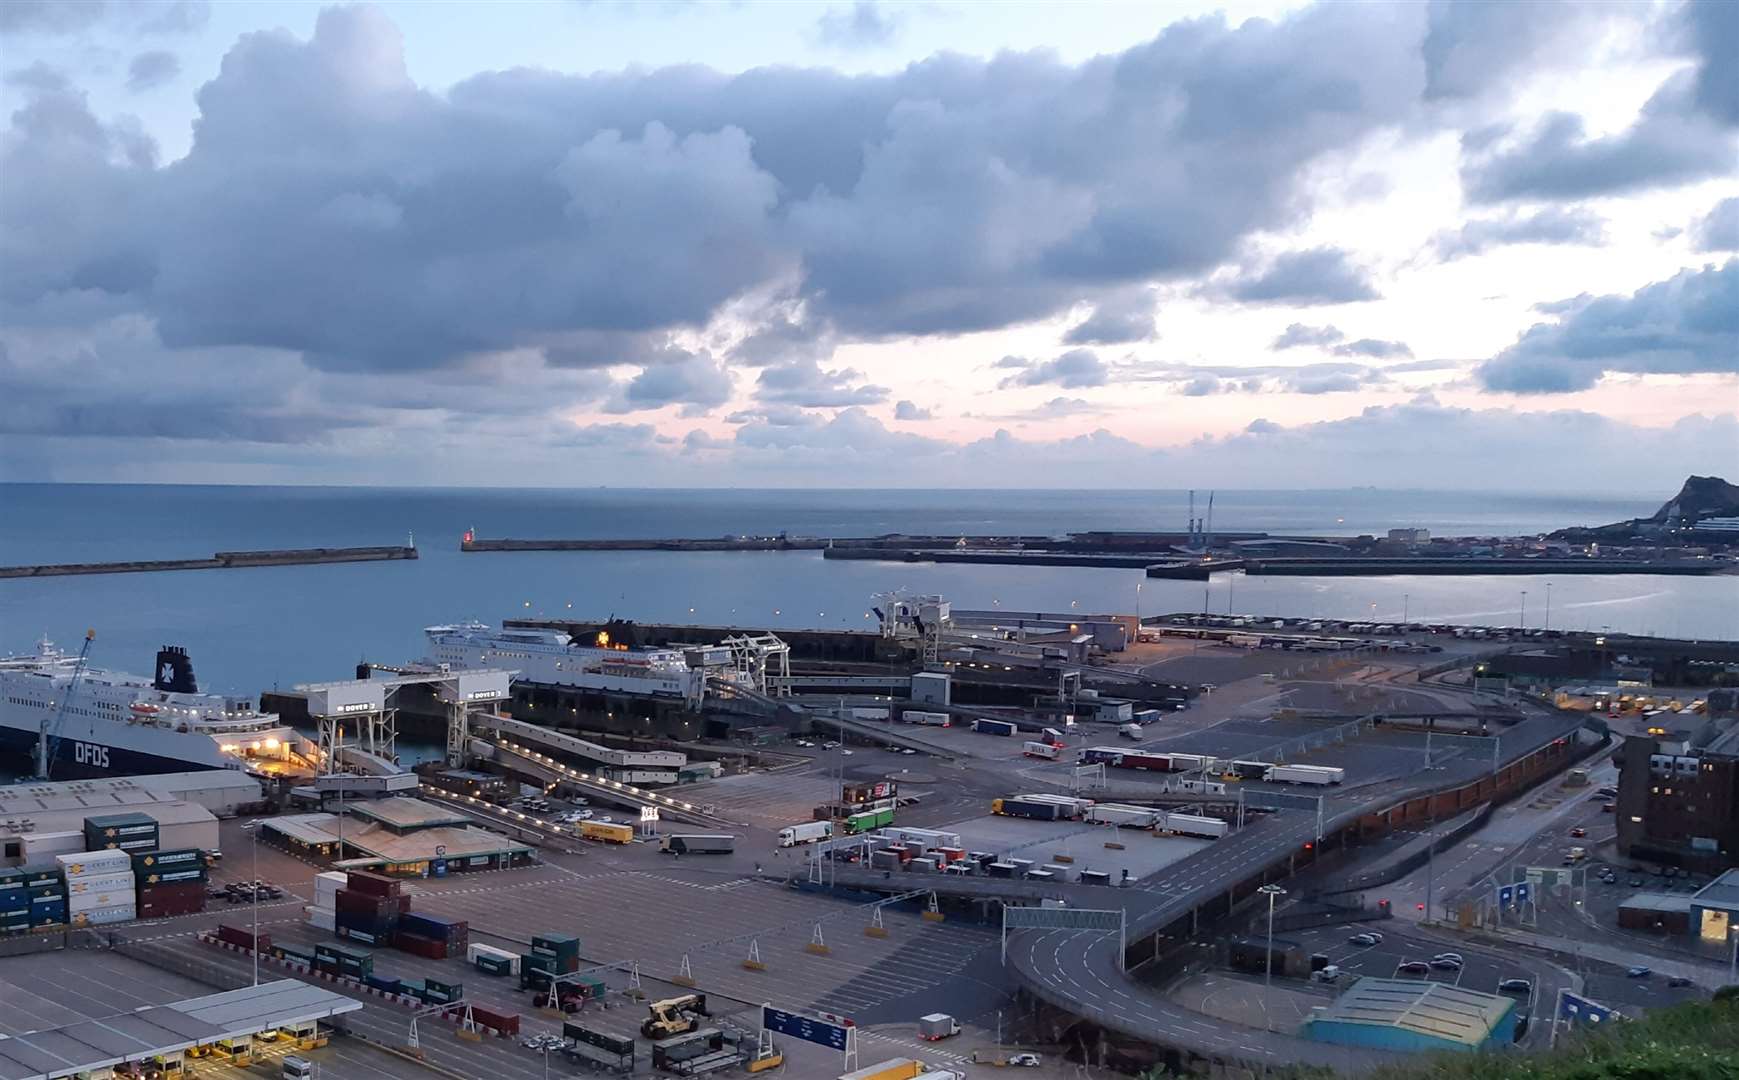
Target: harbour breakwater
[[223, 560]]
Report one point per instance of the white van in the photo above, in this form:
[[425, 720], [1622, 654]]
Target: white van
[[296, 1068]]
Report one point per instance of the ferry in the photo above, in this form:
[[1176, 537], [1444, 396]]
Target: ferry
[[116, 724], [554, 658]]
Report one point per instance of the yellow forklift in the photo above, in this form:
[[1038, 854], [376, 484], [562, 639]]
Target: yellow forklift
[[674, 1016]]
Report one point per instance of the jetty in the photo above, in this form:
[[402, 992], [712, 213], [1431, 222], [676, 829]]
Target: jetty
[[222, 560]]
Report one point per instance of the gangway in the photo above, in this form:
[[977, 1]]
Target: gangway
[[546, 738]]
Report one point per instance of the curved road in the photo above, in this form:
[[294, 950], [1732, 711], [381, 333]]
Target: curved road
[[1080, 973]]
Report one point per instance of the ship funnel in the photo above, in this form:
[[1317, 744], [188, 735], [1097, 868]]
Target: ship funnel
[[174, 671]]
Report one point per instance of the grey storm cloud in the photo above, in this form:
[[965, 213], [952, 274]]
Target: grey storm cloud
[[1467, 45], [1073, 369], [1374, 348], [806, 383], [1719, 229], [1685, 132], [330, 206], [911, 410], [1548, 225], [1686, 324], [864, 25], [152, 69], [1298, 334], [1321, 275], [697, 382], [1117, 321]]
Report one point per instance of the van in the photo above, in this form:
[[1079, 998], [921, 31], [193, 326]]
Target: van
[[296, 1068]]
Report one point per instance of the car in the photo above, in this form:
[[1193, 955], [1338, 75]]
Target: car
[[1678, 980], [830, 746], [1578, 832], [908, 751], [845, 752], [1636, 883], [1361, 939], [1415, 967], [1443, 963], [1515, 986], [1639, 972], [805, 743], [1030, 1061], [1375, 936]]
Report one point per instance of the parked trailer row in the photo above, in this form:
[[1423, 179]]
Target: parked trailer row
[[1036, 809], [1118, 757]]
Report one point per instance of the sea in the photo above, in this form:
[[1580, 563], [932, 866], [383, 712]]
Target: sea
[[255, 629]]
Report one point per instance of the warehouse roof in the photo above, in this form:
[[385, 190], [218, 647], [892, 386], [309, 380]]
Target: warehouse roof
[[384, 844], [1426, 1008], [89, 1045], [1723, 892], [1657, 901], [407, 813], [71, 819]]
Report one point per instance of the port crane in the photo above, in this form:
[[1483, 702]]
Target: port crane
[[48, 732]]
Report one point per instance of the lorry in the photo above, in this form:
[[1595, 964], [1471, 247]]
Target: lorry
[[865, 820], [1044, 750], [1072, 806], [985, 726], [1142, 817], [608, 832], [1248, 770], [1037, 810], [1304, 774], [937, 1026], [930, 838], [1102, 755], [1129, 731], [807, 833], [698, 844], [928, 719], [1192, 825]]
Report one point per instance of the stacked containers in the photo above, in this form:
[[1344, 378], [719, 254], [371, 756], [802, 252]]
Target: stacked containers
[[245, 939], [343, 960], [551, 954], [99, 887], [323, 915], [451, 934], [14, 902], [121, 832], [170, 882], [436, 992], [46, 886], [368, 908]]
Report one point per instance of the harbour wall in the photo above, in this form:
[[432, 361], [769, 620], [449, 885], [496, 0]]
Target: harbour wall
[[223, 560]]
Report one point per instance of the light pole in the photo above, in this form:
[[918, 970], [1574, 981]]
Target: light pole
[[1733, 960], [1272, 892], [1547, 625], [1138, 586], [1524, 610], [253, 828]]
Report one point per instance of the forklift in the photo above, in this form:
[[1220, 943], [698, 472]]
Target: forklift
[[674, 1016]]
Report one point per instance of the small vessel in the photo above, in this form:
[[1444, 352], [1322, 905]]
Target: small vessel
[[116, 724]]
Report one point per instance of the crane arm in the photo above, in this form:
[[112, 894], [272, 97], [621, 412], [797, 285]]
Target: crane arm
[[48, 735]]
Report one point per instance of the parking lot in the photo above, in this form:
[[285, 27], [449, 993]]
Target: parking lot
[[1143, 854]]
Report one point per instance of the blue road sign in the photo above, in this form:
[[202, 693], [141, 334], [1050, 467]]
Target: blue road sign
[[1523, 890], [1576, 1009], [1506, 895], [806, 1028]]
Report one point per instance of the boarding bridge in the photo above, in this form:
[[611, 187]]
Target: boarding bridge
[[546, 739], [526, 760]]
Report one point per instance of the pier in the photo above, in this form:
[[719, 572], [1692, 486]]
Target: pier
[[223, 560]]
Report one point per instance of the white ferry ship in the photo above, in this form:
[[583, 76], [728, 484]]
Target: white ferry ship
[[117, 724], [554, 658]]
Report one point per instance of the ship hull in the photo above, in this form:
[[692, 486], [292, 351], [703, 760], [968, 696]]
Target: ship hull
[[78, 759]]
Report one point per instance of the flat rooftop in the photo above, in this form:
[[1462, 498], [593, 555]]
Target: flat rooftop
[[1021, 838], [1434, 1009], [108, 1041], [406, 813], [379, 842], [1723, 892]]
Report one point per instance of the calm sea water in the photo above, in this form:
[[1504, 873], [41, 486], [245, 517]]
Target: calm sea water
[[252, 629]]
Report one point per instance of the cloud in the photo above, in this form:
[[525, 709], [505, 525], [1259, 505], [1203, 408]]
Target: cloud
[[1374, 348], [1713, 33], [1057, 408], [1687, 324], [1470, 46], [152, 69], [1073, 369], [805, 383], [1117, 321], [1322, 275], [909, 410], [1718, 230], [1298, 334], [865, 25], [697, 382], [54, 17], [1549, 225]]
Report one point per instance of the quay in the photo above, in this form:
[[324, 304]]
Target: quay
[[1382, 566], [780, 542], [222, 560]]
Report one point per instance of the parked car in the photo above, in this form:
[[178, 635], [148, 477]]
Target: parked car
[[1515, 986], [1639, 972], [1444, 964], [1678, 980], [1415, 967], [1030, 1061], [1455, 956], [1361, 939], [1636, 883], [1578, 832]]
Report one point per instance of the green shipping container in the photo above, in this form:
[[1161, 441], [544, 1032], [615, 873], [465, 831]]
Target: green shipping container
[[490, 965]]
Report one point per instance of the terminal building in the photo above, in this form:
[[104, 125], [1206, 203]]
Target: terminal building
[[42, 820], [396, 836], [1413, 1016], [1678, 798]]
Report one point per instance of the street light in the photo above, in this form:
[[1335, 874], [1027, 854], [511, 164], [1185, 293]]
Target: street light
[[1272, 892], [1524, 609], [253, 830]]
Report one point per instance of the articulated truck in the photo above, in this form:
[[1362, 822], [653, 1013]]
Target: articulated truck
[[1305, 774], [807, 833]]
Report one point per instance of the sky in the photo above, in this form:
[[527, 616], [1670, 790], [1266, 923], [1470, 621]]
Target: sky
[[1260, 245]]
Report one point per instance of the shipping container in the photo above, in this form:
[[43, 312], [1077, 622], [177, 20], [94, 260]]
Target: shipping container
[[94, 863], [556, 946], [417, 945], [1118, 814], [40, 876], [1043, 750], [179, 859], [607, 832], [1073, 806], [243, 939], [1304, 774], [1191, 825], [930, 838], [385, 984], [994, 727], [367, 935], [195, 875], [505, 1022], [1041, 811], [105, 883], [103, 916], [452, 931], [365, 881], [928, 719]]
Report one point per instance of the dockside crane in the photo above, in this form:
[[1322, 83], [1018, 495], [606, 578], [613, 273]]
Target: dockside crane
[[48, 733]]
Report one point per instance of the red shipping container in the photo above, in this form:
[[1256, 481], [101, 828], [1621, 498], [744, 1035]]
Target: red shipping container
[[506, 1023], [167, 908], [243, 938], [427, 948], [169, 893], [356, 903], [363, 881]]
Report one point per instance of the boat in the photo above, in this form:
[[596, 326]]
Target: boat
[[555, 658], [116, 724]]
